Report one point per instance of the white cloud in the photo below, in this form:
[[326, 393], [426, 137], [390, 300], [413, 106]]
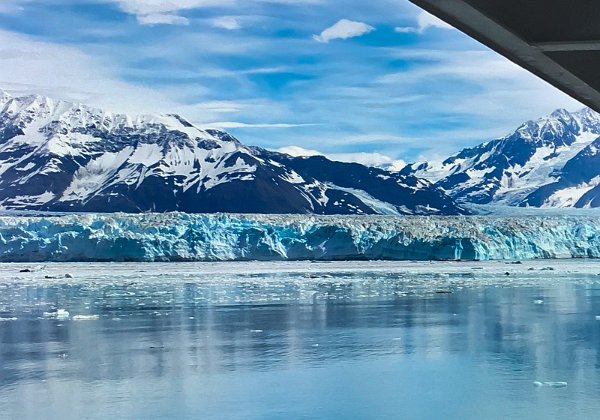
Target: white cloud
[[496, 96], [9, 7], [364, 158], [63, 72], [153, 12], [297, 151], [396, 166], [235, 124], [162, 19], [367, 159], [343, 29], [166, 12], [476, 66], [425, 21], [226, 22], [31, 66]]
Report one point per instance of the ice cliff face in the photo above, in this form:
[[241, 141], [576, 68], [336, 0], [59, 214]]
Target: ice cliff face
[[551, 162], [62, 156], [186, 237]]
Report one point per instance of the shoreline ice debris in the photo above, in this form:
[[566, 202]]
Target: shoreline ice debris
[[232, 237]]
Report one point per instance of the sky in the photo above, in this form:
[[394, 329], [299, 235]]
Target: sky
[[375, 82]]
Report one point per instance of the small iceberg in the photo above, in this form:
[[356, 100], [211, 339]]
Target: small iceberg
[[85, 317], [550, 384], [13, 318], [59, 314]]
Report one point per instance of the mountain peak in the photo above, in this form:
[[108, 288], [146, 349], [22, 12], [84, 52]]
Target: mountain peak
[[182, 120], [4, 97], [561, 113], [586, 112], [589, 119], [546, 162]]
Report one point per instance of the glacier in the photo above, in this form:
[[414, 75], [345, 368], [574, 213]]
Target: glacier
[[230, 237]]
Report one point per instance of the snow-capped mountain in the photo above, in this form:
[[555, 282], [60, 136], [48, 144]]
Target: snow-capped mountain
[[62, 156], [551, 162]]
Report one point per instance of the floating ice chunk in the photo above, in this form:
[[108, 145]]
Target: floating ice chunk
[[13, 318], [256, 331], [597, 317], [538, 302], [62, 314], [550, 384], [85, 317], [59, 314]]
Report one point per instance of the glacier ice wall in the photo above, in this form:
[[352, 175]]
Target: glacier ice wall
[[218, 237]]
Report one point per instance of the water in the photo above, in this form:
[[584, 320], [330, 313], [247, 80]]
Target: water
[[282, 341]]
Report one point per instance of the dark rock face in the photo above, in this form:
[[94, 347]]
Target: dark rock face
[[59, 156]]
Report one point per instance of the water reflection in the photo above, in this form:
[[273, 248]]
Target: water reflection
[[286, 349]]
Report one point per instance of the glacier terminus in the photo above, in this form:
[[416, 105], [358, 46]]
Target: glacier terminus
[[231, 237]]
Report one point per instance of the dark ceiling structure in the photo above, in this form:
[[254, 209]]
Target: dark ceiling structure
[[558, 40]]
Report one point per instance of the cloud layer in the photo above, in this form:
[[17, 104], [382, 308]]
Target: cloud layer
[[369, 159], [153, 12]]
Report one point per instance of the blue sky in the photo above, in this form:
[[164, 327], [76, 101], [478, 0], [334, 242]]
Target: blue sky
[[369, 81]]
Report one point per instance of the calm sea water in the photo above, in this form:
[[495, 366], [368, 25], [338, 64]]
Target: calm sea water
[[262, 346]]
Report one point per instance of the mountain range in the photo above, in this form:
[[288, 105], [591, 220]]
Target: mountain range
[[62, 156], [551, 162]]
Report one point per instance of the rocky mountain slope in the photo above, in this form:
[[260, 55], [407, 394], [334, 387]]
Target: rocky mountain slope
[[551, 162], [62, 156]]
